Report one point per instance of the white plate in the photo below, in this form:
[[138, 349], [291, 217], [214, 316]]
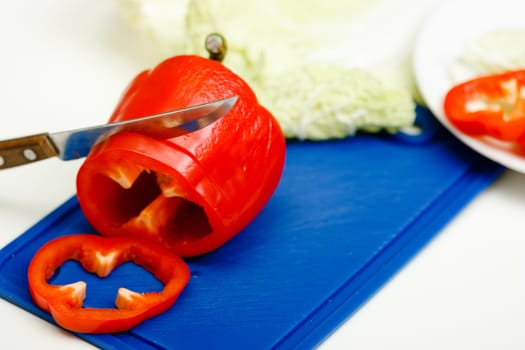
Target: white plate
[[438, 46]]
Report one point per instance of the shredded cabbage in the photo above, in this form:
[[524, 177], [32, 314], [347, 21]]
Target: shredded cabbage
[[334, 102], [492, 52], [324, 69]]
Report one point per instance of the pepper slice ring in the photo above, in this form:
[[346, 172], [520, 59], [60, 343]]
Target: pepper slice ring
[[490, 105], [100, 255]]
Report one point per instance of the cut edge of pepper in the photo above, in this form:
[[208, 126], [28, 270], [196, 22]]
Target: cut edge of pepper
[[65, 302]]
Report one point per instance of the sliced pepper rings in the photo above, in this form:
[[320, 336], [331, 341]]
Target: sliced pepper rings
[[101, 255], [492, 105]]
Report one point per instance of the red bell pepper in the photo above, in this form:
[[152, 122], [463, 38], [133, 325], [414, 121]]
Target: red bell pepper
[[492, 105], [190, 193], [101, 255]]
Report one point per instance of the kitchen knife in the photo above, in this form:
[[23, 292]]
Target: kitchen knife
[[74, 144]]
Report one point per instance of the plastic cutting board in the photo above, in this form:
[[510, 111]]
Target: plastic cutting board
[[346, 216]]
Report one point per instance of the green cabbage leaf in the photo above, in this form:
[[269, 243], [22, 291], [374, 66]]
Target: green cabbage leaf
[[325, 69]]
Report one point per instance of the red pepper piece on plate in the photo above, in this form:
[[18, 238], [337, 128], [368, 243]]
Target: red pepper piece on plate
[[101, 255], [190, 193], [492, 105]]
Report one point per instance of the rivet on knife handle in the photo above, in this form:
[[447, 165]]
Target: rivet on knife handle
[[25, 150]]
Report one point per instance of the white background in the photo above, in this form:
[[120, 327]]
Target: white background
[[64, 65]]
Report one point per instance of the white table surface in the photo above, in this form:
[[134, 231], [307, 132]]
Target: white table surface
[[65, 63]]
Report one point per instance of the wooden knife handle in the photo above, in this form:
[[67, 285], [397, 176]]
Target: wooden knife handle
[[24, 150]]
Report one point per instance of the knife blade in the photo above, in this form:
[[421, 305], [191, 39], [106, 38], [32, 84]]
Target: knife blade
[[74, 144]]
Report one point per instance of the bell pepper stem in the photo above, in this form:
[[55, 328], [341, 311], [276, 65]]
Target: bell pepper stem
[[216, 47]]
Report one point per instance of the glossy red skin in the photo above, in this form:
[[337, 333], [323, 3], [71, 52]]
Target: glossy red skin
[[486, 122], [229, 169], [66, 307]]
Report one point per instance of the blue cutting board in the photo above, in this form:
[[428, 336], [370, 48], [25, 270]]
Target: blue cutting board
[[346, 216]]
